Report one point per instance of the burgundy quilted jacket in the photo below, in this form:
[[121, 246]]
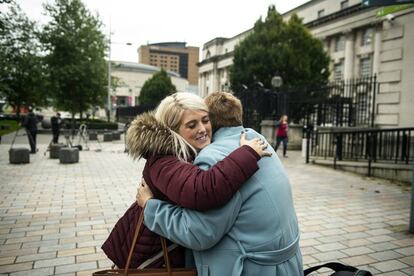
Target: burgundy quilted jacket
[[180, 183]]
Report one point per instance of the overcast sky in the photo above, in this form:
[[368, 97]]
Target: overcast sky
[[150, 21]]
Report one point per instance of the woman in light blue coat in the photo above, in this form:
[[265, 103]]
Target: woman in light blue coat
[[256, 233]]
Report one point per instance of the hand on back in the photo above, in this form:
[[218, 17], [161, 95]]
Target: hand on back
[[257, 144]]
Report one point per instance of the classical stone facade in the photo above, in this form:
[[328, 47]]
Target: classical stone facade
[[132, 77], [361, 41], [173, 56]]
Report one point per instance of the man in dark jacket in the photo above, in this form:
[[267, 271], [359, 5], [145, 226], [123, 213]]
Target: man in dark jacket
[[55, 123], [30, 124]]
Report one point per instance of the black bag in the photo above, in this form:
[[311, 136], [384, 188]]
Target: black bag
[[340, 270]]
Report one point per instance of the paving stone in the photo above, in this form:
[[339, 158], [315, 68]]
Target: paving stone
[[329, 256], [40, 243], [35, 272], [404, 242], [55, 262], [75, 267], [394, 273], [18, 252], [330, 246], [7, 260], [407, 251], [76, 251], [355, 251], [382, 238], [389, 265], [309, 242], [408, 260], [383, 246], [409, 271], [358, 260], [15, 267], [35, 257], [386, 255]]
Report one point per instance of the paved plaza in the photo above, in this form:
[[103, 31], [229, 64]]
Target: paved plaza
[[54, 217]]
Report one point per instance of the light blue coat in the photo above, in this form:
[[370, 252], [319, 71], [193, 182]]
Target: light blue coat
[[255, 233]]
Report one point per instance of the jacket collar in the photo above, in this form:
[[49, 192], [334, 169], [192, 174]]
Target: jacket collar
[[227, 132]]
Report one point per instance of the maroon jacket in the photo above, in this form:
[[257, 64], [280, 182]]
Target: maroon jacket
[[183, 184]]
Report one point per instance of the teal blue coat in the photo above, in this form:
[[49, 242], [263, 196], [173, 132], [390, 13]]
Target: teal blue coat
[[255, 233]]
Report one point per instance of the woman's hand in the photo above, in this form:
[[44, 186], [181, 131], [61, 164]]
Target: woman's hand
[[257, 144], [143, 194]]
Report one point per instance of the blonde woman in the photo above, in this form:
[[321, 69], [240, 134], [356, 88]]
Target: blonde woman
[[169, 139]]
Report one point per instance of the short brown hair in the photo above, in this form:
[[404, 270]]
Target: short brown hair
[[225, 110]]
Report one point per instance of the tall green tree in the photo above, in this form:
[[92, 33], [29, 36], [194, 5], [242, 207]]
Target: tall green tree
[[22, 70], [75, 47], [276, 47], [156, 88]]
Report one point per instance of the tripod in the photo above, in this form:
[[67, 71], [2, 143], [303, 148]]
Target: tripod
[[16, 134], [82, 136]]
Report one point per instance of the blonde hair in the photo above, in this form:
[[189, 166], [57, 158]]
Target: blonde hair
[[170, 112]]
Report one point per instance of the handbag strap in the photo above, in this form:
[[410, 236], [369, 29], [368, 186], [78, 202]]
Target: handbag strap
[[134, 241], [336, 267]]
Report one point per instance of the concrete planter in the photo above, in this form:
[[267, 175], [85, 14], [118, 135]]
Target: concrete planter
[[19, 156], [69, 155], [107, 137], [116, 135], [54, 150], [93, 136]]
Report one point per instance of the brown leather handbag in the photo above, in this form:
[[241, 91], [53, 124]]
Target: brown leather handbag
[[168, 271]]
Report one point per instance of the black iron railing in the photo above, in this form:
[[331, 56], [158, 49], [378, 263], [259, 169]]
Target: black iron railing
[[393, 146], [344, 103]]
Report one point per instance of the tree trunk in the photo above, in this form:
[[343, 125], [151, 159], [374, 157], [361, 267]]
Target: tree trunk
[[73, 124]]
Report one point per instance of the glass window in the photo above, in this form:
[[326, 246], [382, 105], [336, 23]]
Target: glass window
[[344, 4], [338, 71], [340, 43], [367, 36], [321, 13], [365, 67], [121, 101]]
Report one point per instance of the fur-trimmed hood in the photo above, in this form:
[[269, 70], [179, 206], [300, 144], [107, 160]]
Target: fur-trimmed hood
[[146, 136]]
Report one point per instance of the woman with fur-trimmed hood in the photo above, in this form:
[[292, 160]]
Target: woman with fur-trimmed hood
[[169, 139]]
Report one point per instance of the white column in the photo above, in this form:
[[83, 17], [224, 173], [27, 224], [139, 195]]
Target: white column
[[349, 56], [377, 50], [215, 78]]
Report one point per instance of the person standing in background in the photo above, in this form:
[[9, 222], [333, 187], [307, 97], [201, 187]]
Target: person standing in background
[[55, 122], [282, 134], [30, 124]]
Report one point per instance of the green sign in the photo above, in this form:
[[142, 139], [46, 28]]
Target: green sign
[[390, 9], [378, 3]]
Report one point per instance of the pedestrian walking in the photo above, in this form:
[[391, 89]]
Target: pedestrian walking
[[30, 125], [55, 122], [282, 134]]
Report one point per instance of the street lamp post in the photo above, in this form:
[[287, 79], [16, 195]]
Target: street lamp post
[[108, 104], [109, 100]]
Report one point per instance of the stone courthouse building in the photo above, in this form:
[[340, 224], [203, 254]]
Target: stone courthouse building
[[361, 41]]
